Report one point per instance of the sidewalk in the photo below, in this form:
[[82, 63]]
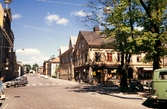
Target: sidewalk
[[113, 91], [137, 96]]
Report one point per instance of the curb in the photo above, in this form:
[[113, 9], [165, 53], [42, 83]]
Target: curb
[[128, 97]]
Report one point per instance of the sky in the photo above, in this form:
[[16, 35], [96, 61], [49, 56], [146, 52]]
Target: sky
[[40, 27]]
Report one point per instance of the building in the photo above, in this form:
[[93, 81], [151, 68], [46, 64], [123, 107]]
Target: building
[[21, 70], [50, 66], [8, 64], [66, 60], [90, 60]]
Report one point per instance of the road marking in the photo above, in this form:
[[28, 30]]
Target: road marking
[[5, 106], [47, 84]]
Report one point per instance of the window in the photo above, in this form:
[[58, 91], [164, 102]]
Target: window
[[119, 57], [86, 57], [163, 75], [138, 58], [97, 56], [79, 45], [109, 57], [83, 43]]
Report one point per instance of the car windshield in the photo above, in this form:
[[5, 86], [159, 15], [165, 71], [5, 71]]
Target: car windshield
[[16, 79]]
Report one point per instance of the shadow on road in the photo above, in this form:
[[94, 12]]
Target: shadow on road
[[109, 89], [150, 104], [101, 89]]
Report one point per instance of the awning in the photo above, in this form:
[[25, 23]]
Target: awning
[[147, 68]]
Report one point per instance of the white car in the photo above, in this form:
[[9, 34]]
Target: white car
[[17, 81], [45, 77], [41, 76]]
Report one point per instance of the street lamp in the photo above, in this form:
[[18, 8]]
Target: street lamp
[[107, 10], [7, 2]]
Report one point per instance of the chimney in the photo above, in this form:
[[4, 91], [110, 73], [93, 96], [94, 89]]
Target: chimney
[[96, 30]]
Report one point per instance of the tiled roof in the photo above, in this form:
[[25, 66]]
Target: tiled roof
[[93, 38], [55, 60]]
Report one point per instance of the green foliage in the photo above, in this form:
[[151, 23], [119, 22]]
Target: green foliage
[[149, 15], [28, 68], [54, 76], [34, 66], [57, 70]]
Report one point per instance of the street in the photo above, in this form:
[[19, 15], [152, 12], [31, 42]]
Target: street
[[62, 94]]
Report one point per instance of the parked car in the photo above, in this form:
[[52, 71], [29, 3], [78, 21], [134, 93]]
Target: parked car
[[41, 75], [17, 81], [32, 74], [46, 77], [159, 86]]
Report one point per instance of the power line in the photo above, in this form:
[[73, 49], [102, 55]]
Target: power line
[[66, 3]]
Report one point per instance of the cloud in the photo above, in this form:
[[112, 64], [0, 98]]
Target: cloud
[[50, 18], [16, 16], [30, 56], [80, 13]]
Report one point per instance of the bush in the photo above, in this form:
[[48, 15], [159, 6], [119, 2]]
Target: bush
[[54, 76]]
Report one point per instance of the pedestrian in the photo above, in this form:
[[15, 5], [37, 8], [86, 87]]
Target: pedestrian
[[2, 89]]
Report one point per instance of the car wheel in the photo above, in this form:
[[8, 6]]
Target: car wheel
[[16, 85], [7, 86]]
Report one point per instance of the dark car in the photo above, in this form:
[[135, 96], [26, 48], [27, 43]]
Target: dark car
[[17, 81]]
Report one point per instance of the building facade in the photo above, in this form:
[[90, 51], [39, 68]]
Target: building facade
[[8, 64], [66, 60], [90, 60], [50, 66]]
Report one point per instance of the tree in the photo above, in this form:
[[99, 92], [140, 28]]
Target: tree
[[154, 23], [120, 23], [28, 68], [34, 66], [147, 14]]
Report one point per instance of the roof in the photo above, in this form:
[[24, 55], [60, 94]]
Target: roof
[[93, 38], [55, 60], [63, 49], [73, 40]]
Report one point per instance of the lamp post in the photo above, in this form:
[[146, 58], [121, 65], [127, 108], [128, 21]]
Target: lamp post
[[7, 2], [107, 10]]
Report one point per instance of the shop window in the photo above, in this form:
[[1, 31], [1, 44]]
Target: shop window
[[109, 57]]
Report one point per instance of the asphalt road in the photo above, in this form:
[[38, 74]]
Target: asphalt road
[[62, 94]]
